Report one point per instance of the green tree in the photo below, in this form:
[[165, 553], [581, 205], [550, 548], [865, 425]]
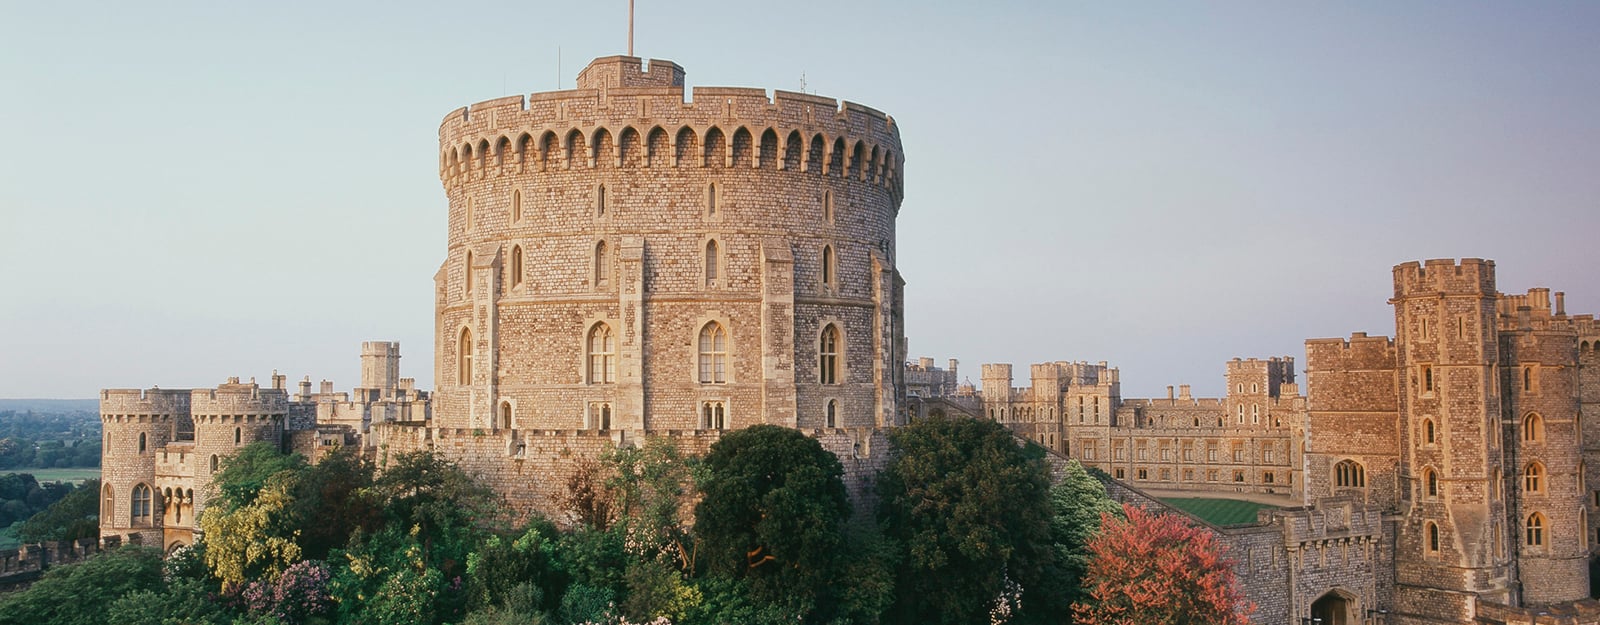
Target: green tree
[[772, 513], [970, 511], [82, 593], [72, 517], [1077, 503], [245, 473], [332, 501]]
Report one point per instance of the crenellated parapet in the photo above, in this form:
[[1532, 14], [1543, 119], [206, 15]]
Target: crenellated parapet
[[650, 124], [1443, 276]]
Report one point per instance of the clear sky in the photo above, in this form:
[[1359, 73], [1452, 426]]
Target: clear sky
[[190, 191]]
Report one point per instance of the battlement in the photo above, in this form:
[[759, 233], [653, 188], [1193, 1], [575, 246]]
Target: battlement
[[1470, 276], [235, 398], [143, 402], [644, 122], [619, 71]]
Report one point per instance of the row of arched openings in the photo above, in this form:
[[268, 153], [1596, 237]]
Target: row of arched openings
[[829, 156]]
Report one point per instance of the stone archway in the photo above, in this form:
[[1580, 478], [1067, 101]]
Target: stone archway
[[1335, 608]]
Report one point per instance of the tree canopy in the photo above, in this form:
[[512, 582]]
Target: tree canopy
[[773, 512], [971, 513]]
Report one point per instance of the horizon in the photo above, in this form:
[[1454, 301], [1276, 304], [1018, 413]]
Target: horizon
[[213, 191]]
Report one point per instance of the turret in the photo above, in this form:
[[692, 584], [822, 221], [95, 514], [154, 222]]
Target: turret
[[136, 424]]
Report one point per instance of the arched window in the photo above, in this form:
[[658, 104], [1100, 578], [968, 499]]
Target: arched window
[[828, 368], [466, 272], [107, 503], [1350, 474], [464, 349], [1240, 418], [602, 355], [1430, 481], [1527, 379], [713, 263], [602, 265], [833, 413], [713, 416], [516, 205], [505, 415], [238, 436], [468, 220], [141, 505], [1427, 378], [828, 277], [516, 265], [711, 200], [1533, 428], [1428, 435], [827, 206], [1533, 478], [713, 354], [1255, 414], [1494, 484], [213, 463], [1535, 530], [142, 444], [600, 201], [1433, 537]]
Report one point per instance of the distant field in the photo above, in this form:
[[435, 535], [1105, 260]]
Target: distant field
[[1219, 511], [75, 475]]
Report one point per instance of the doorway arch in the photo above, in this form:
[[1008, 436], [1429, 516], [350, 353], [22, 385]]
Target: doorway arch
[[1336, 608]]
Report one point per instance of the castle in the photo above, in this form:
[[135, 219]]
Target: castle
[[623, 261]]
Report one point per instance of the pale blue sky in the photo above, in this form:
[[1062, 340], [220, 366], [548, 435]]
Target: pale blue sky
[[195, 190]]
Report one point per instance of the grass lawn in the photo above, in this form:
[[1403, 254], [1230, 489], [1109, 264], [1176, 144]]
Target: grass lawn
[[74, 475], [1219, 511]]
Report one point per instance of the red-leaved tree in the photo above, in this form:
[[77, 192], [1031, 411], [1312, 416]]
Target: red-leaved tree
[[1156, 569]]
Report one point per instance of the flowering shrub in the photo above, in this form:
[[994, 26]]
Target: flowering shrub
[[300, 593]]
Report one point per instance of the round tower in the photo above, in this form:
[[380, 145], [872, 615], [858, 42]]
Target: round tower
[[228, 418], [621, 257], [135, 424]]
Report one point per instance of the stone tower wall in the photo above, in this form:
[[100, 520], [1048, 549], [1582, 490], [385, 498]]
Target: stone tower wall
[[537, 185], [227, 418], [1540, 377], [125, 415], [1446, 348], [1353, 415]]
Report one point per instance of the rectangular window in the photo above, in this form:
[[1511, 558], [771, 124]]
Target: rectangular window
[[1143, 454], [1166, 475], [1238, 476], [1117, 453], [1188, 475], [1427, 378], [1238, 455], [1144, 474], [1166, 454], [1188, 454], [1211, 454], [1211, 476], [1120, 474], [1267, 477], [1266, 456]]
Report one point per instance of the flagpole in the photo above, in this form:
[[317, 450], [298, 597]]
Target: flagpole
[[630, 27]]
